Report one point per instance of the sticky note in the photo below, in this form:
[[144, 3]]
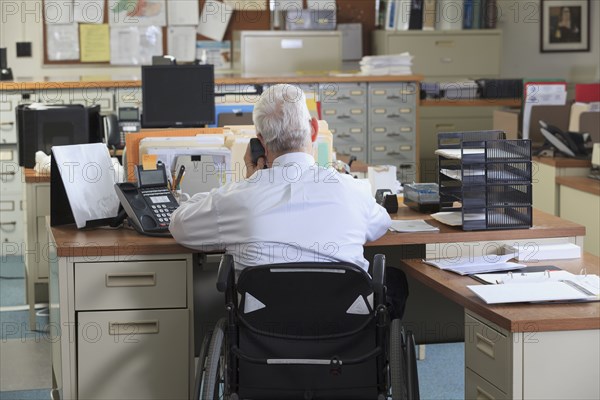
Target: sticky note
[[149, 161]]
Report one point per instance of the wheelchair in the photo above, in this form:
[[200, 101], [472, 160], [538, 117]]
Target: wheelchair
[[306, 331]]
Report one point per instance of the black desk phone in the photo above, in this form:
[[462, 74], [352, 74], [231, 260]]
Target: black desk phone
[[148, 203]]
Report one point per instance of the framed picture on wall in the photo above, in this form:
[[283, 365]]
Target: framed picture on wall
[[565, 26]]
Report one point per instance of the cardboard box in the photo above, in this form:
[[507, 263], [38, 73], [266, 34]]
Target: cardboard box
[[509, 121]]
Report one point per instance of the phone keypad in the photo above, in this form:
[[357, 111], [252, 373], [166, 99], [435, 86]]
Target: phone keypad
[[165, 204]]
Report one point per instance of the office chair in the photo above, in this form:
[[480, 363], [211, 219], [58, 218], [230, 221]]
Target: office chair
[[306, 331]]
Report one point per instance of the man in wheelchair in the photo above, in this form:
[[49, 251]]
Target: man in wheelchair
[[307, 321]]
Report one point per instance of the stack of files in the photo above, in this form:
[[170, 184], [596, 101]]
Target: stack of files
[[470, 265], [537, 287], [412, 225], [397, 64]]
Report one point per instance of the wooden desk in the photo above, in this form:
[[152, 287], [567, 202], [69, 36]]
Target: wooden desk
[[579, 201], [82, 259], [511, 350]]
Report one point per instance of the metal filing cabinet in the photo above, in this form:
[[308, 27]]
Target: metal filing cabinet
[[343, 106], [89, 96], [133, 337], [11, 209], [392, 127]]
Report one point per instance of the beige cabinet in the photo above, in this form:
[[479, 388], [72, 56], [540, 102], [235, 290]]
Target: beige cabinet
[[445, 55], [510, 365], [126, 326]]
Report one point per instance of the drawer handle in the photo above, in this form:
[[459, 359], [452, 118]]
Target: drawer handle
[[485, 345], [7, 123], [483, 395], [444, 126], [8, 173], [393, 116], [446, 60], [131, 279], [393, 97], [342, 98], [133, 327], [392, 134], [343, 116], [405, 166], [8, 226], [393, 153], [444, 43], [343, 135]]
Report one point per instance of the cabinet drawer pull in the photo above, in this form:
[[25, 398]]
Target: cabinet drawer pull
[[343, 116], [8, 173], [392, 134], [11, 123], [483, 395], [393, 97], [393, 153], [343, 135], [485, 345], [8, 223], [444, 43], [405, 129], [446, 60], [8, 227], [444, 126], [133, 327], [342, 98], [131, 279], [393, 116]]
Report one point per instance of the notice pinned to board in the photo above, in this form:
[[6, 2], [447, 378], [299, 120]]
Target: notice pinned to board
[[95, 43]]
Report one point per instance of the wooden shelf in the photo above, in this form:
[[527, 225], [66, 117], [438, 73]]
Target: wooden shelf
[[471, 103]]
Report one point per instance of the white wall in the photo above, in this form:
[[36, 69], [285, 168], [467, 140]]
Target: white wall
[[521, 58], [21, 20]]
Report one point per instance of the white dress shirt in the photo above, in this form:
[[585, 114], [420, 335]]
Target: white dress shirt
[[294, 211]]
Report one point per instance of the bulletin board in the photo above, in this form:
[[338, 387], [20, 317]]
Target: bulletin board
[[90, 38]]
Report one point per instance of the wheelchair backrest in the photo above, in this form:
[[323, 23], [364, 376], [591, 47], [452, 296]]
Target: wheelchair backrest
[[305, 300]]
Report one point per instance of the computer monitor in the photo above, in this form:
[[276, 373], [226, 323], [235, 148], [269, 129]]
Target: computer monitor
[[176, 96]]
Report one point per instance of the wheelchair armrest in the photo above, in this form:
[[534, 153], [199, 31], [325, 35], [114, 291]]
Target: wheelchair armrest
[[226, 272], [379, 276]]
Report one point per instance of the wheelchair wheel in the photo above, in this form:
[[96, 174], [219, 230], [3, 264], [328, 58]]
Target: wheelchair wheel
[[397, 362], [201, 367], [214, 385]]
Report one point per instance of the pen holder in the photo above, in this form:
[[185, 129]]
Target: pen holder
[[180, 196]]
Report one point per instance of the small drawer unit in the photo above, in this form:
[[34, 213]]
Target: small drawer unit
[[359, 151], [392, 127], [344, 107], [11, 224], [11, 177], [488, 350]]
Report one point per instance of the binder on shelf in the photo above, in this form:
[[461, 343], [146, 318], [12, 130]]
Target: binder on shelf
[[416, 15], [429, 14], [468, 14], [403, 12], [390, 15], [476, 14], [450, 14]]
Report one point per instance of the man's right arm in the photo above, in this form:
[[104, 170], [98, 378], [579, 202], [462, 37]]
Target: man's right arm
[[195, 223]]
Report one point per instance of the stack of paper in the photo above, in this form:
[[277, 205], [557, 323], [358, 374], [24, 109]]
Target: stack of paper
[[540, 286], [397, 64], [469, 265], [412, 225]]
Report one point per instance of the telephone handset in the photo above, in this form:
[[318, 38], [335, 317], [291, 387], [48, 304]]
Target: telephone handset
[[116, 127], [148, 203]]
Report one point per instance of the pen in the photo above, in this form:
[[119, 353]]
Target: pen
[[179, 177]]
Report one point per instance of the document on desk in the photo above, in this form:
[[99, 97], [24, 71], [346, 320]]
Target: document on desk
[[475, 265], [412, 225], [574, 288]]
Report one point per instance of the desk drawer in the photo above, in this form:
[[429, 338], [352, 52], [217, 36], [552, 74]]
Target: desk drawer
[[131, 284], [140, 354], [487, 351], [477, 388]]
